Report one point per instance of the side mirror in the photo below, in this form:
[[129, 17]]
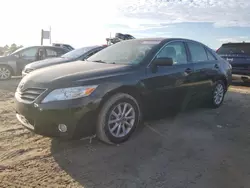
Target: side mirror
[[16, 55], [166, 61]]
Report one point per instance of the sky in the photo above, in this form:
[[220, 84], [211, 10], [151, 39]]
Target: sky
[[89, 22]]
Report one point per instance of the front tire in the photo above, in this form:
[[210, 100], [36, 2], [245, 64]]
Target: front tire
[[5, 72], [118, 118], [218, 94]]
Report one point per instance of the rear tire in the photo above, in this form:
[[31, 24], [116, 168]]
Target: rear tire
[[5, 72], [118, 118], [218, 94]]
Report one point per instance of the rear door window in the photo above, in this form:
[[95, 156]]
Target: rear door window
[[234, 49], [210, 56], [197, 52], [51, 52], [62, 51]]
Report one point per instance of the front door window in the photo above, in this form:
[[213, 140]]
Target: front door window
[[176, 51], [29, 54]]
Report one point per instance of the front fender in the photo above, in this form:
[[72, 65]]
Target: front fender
[[11, 64]]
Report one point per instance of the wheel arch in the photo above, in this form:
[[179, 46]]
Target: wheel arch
[[11, 69], [224, 79], [131, 90]]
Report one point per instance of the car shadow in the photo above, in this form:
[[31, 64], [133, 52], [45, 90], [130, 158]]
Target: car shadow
[[94, 164]]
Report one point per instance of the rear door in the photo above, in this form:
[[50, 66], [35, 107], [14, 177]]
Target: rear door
[[206, 68], [238, 55], [25, 57]]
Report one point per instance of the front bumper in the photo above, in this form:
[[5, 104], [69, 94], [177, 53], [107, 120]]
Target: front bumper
[[44, 119]]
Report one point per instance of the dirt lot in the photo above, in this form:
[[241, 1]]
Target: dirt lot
[[199, 148]]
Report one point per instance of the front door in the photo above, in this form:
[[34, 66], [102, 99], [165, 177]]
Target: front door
[[170, 85], [25, 57]]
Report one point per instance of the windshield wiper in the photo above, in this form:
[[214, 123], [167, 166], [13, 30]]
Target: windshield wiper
[[100, 61]]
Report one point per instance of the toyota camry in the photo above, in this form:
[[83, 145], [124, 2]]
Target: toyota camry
[[109, 94]]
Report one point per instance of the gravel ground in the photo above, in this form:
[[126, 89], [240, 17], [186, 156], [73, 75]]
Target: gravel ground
[[198, 148]]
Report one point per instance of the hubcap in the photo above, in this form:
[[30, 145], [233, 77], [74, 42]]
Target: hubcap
[[4, 73], [121, 119], [218, 94]]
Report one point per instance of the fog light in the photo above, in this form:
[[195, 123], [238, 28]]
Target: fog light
[[62, 128]]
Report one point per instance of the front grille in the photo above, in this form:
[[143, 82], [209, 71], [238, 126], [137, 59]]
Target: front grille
[[31, 94]]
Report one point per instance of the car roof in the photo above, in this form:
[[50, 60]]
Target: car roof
[[164, 39], [25, 47], [39, 46]]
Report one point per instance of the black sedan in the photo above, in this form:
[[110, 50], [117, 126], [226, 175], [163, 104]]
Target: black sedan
[[74, 55], [109, 93]]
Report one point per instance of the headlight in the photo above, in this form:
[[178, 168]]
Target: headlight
[[69, 93]]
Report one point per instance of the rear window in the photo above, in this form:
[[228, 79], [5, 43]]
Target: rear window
[[234, 49]]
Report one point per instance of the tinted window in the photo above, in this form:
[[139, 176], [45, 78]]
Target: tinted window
[[78, 52], [51, 52], [61, 52], [93, 52], [234, 49], [125, 52], [29, 54], [210, 55], [176, 51], [197, 51]]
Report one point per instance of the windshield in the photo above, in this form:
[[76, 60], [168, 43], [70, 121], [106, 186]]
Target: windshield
[[18, 50], [125, 52], [234, 49], [78, 52]]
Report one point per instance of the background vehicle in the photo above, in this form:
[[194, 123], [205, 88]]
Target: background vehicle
[[74, 55], [110, 92], [118, 38], [65, 46], [13, 64], [238, 55]]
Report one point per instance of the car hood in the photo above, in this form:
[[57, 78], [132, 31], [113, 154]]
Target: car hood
[[47, 62], [78, 71]]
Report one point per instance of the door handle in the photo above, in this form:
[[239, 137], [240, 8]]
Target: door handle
[[216, 66], [188, 71]]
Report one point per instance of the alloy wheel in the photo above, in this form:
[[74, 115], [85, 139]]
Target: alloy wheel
[[121, 119], [4, 73], [218, 93]]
